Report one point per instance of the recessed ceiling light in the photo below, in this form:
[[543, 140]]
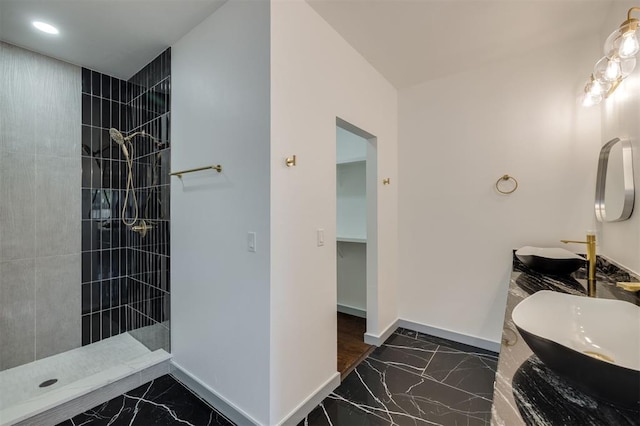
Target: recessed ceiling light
[[45, 28]]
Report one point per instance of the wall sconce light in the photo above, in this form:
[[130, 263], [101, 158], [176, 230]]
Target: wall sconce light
[[623, 42], [619, 61], [594, 91]]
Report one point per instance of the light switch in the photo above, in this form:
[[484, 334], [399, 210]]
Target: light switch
[[251, 242], [320, 237]]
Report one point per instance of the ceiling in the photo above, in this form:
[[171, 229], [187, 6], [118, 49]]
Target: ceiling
[[408, 41], [116, 37], [411, 41]]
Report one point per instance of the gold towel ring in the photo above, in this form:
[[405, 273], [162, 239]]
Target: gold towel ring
[[502, 179]]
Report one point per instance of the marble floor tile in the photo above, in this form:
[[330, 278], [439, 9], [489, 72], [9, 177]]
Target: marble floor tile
[[405, 398], [404, 352], [471, 372], [163, 401], [444, 342], [336, 410], [412, 379]]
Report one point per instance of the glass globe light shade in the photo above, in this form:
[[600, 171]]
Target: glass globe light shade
[[629, 45], [623, 42], [613, 70], [590, 99], [627, 66], [601, 85], [593, 93], [607, 70], [596, 87]]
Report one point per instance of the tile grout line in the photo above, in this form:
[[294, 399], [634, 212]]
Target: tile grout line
[[424, 370], [35, 257]]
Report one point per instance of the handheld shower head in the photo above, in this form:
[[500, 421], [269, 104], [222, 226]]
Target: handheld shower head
[[120, 140], [116, 136]]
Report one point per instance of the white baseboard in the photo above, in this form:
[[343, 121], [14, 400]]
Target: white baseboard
[[378, 340], [229, 410], [302, 410], [351, 310], [478, 342], [239, 417]]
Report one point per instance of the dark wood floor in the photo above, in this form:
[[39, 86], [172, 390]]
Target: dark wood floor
[[351, 346]]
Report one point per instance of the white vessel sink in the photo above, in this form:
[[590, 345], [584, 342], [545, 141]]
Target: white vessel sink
[[555, 261], [594, 343]]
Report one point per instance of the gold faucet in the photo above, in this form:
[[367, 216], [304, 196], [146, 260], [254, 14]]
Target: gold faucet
[[629, 286], [591, 258]]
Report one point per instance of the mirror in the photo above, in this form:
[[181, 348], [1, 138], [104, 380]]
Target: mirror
[[615, 193]]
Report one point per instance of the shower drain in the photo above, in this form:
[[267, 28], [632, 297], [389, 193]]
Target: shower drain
[[48, 383]]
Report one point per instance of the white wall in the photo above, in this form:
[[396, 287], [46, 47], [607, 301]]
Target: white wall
[[620, 241], [351, 210], [352, 277], [350, 147], [316, 77], [220, 291], [351, 223], [458, 135]]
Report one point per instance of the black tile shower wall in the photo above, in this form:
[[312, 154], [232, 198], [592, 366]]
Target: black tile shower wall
[[149, 289], [125, 276], [104, 247]]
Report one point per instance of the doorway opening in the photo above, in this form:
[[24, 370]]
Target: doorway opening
[[355, 223]]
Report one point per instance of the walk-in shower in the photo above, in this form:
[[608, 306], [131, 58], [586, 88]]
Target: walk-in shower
[[84, 233]]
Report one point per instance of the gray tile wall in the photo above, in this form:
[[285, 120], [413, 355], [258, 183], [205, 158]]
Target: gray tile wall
[[40, 172], [17, 312]]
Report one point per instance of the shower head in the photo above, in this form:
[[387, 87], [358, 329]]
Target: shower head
[[120, 139], [116, 136]]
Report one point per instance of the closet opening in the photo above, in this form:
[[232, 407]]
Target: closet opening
[[355, 191]]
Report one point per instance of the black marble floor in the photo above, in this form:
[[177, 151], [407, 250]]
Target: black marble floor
[[163, 401], [413, 379]]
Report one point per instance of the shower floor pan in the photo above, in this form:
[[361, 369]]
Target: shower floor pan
[[86, 377]]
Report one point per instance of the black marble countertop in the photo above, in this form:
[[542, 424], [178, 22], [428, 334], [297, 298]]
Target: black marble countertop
[[526, 392]]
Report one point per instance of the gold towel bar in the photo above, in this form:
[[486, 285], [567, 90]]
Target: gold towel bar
[[217, 168]]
